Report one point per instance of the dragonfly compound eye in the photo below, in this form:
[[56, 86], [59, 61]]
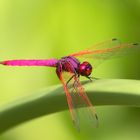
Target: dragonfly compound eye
[[85, 69]]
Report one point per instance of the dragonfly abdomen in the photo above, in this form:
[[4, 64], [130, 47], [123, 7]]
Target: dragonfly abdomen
[[49, 62]]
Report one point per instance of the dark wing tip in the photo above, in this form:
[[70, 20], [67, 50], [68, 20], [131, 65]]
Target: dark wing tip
[[114, 39], [135, 43], [96, 116], [97, 122]]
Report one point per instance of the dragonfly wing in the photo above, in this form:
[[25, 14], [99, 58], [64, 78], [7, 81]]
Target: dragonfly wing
[[83, 101], [96, 48], [71, 103], [107, 49], [77, 98]]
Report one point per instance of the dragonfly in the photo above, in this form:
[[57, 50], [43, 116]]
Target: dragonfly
[[69, 69]]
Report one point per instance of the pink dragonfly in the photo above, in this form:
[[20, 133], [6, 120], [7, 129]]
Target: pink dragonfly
[[75, 93]]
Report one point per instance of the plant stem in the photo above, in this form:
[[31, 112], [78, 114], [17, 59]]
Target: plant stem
[[50, 100]]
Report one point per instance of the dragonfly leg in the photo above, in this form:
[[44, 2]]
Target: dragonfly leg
[[75, 85], [92, 78], [75, 82], [70, 79]]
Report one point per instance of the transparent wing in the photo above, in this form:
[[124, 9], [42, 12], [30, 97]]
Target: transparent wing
[[107, 49], [71, 102], [96, 47], [88, 110], [77, 98]]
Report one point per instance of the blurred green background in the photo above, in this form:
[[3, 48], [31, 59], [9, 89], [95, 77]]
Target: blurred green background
[[40, 29]]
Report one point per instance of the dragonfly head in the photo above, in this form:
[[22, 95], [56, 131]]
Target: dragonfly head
[[85, 69]]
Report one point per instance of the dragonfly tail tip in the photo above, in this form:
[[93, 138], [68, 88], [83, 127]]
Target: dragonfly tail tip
[[1, 62]]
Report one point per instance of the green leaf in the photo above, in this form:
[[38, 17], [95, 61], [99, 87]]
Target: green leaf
[[50, 100]]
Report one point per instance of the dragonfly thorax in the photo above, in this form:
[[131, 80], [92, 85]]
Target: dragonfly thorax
[[85, 69], [68, 64], [73, 65]]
